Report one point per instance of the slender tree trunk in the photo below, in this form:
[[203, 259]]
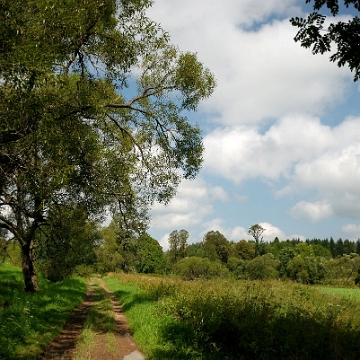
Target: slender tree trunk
[[30, 277]]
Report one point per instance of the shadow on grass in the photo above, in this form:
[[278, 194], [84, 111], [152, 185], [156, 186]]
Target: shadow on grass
[[254, 336], [176, 339], [28, 321], [128, 300], [243, 330]]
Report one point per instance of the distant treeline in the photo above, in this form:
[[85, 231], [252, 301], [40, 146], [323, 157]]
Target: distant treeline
[[337, 247], [107, 250], [310, 261]]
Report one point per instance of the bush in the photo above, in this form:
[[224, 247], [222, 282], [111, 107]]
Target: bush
[[262, 267], [84, 271], [236, 267], [306, 270], [199, 268], [357, 279]]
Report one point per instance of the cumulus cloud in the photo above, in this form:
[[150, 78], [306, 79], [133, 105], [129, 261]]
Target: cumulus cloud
[[352, 231], [315, 211], [271, 232], [207, 14], [268, 110], [231, 233], [218, 193], [261, 72], [238, 233], [164, 242], [193, 202], [300, 149], [243, 152]]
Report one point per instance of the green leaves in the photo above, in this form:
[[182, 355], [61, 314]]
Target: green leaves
[[193, 80], [70, 135], [344, 35]]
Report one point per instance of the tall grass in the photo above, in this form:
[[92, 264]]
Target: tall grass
[[146, 322], [29, 321], [240, 320]]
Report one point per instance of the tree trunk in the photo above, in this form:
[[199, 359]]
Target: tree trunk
[[30, 277]]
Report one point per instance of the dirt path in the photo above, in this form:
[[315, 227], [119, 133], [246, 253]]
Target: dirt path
[[64, 346]]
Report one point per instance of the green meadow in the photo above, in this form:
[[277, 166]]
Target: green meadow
[[174, 319]]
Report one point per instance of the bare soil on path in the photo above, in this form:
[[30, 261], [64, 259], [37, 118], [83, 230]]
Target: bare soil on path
[[64, 346]]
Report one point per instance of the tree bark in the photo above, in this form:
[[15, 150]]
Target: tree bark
[[30, 277]]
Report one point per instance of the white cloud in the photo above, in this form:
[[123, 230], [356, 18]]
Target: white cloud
[[337, 169], [242, 152], [181, 16], [164, 242], [271, 232], [315, 211], [232, 234], [261, 72], [335, 175], [352, 231], [271, 94], [214, 225], [239, 233], [301, 150], [192, 203], [240, 198], [218, 193]]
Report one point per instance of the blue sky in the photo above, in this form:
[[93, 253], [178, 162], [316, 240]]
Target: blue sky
[[281, 131]]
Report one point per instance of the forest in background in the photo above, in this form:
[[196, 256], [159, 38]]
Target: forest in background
[[86, 248]]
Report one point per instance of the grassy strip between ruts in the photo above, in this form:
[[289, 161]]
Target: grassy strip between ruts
[[173, 319], [100, 319], [29, 321]]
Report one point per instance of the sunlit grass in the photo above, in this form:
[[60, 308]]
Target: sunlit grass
[[353, 293], [85, 344], [238, 319], [142, 313], [29, 321]]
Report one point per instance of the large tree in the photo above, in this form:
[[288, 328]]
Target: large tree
[[92, 97], [177, 245], [256, 232], [319, 35], [216, 246]]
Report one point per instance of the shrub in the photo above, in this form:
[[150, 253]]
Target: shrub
[[262, 267], [236, 267], [357, 279], [195, 268], [307, 270]]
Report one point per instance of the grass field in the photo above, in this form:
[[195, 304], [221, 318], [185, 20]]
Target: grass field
[[239, 320], [29, 321], [178, 320], [343, 292]]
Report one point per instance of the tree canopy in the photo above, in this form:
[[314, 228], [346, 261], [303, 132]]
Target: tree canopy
[[92, 102], [177, 245], [215, 246], [316, 33], [256, 232]]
